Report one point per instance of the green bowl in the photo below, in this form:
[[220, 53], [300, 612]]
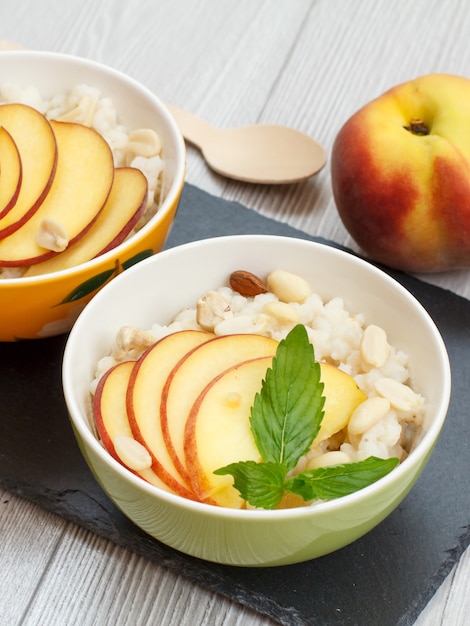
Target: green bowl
[[154, 291]]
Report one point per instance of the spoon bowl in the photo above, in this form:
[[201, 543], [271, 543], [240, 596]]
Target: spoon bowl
[[267, 154]]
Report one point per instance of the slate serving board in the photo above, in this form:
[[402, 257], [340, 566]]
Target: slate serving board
[[386, 577]]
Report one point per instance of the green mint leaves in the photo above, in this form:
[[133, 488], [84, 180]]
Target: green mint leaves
[[260, 484], [287, 413], [327, 483], [285, 419]]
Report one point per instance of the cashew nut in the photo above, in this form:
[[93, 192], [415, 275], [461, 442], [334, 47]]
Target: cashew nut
[[132, 453], [130, 338], [400, 396], [211, 309], [374, 347], [288, 287], [335, 457], [82, 113], [144, 142], [367, 414], [237, 325], [283, 313], [51, 235]]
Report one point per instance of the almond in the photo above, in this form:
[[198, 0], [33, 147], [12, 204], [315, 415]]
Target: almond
[[246, 283]]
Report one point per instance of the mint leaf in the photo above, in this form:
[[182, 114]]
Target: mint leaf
[[285, 419], [287, 413], [260, 484], [327, 483]]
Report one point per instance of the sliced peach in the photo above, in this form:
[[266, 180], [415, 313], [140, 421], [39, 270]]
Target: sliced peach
[[35, 140], [109, 411], [218, 432], [342, 396], [123, 209], [193, 372], [143, 399], [10, 172], [81, 185]]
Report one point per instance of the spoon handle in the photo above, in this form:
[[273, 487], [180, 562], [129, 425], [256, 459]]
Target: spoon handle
[[193, 128]]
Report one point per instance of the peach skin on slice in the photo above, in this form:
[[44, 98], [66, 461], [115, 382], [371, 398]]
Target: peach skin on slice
[[191, 375], [80, 188], [109, 411], [144, 391], [33, 136], [123, 209], [10, 172], [218, 430]]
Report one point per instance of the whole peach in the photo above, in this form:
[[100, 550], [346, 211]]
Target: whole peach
[[400, 172]]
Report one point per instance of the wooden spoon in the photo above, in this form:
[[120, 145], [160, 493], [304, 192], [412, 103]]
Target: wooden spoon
[[255, 154]]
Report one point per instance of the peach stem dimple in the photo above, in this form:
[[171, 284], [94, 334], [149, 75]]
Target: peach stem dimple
[[417, 127]]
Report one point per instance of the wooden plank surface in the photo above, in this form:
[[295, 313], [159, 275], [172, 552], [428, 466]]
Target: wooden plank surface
[[308, 64]]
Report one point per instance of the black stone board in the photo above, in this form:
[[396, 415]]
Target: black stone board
[[386, 578]]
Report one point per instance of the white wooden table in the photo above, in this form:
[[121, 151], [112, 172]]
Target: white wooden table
[[304, 63]]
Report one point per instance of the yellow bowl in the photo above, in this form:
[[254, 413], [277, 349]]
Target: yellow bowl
[[47, 305]]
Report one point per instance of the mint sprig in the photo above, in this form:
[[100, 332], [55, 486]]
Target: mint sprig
[[285, 419], [260, 484], [287, 413], [327, 483]]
